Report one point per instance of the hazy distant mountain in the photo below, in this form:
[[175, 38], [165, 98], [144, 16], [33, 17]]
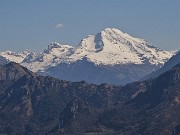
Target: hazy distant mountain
[[31, 104], [168, 65], [110, 56]]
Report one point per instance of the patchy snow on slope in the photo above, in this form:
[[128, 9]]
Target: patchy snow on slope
[[16, 57], [53, 55]]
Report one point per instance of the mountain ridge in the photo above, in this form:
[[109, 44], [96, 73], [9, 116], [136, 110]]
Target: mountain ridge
[[168, 65], [45, 105], [16, 70], [105, 51]]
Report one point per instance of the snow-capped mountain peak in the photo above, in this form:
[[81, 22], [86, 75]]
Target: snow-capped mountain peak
[[55, 47], [53, 55], [90, 44], [112, 46], [117, 36], [16, 57], [30, 57], [111, 52]]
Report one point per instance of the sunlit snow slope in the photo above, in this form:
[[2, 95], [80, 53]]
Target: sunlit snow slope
[[110, 56]]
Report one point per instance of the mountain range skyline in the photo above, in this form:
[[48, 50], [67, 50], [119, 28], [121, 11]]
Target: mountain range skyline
[[110, 56], [89, 67]]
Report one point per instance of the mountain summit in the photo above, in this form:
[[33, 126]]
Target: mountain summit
[[111, 46], [15, 57], [110, 56]]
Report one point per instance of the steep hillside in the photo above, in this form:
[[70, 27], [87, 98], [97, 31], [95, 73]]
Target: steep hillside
[[31, 104], [155, 109]]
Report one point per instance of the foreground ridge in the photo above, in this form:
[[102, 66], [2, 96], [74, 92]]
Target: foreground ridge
[[31, 104]]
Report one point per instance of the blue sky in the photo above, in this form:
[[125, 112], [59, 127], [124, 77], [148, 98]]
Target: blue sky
[[33, 24]]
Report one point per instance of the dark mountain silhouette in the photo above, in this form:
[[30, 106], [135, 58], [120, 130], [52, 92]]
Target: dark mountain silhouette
[[31, 104], [154, 111], [13, 71]]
